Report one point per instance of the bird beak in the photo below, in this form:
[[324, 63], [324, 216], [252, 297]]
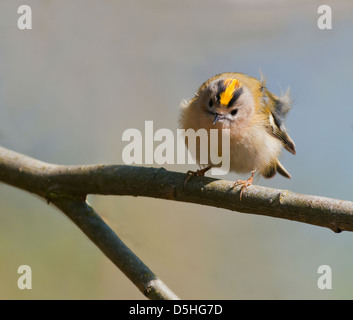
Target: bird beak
[[216, 118]]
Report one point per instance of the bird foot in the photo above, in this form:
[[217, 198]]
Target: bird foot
[[245, 183], [198, 173]]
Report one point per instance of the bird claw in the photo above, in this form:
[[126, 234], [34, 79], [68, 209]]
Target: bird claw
[[197, 173], [245, 183]]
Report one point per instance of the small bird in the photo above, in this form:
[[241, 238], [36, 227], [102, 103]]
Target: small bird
[[255, 119]]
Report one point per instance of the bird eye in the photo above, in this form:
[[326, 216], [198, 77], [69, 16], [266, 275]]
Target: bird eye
[[234, 112], [210, 103]]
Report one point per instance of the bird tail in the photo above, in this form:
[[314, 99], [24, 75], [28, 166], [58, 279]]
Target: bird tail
[[274, 168]]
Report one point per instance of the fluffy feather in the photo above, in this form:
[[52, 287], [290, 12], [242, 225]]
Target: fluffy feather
[[256, 121]]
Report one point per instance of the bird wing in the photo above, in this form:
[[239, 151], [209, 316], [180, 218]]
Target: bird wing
[[279, 108]]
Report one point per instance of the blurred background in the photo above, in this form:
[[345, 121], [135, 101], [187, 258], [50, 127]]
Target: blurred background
[[90, 69]]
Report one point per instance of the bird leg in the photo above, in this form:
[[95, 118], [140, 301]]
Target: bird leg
[[245, 183], [198, 173]]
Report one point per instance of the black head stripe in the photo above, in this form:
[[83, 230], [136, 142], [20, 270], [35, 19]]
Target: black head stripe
[[220, 88], [236, 95]]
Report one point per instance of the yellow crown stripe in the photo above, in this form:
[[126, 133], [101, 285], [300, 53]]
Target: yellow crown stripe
[[227, 94]]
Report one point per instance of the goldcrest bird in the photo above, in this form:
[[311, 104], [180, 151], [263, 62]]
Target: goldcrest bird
[[255, 119]]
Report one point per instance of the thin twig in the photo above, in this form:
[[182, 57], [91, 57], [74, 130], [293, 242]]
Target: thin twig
[[99, 232]]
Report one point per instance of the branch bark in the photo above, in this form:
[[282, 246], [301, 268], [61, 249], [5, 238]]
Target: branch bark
[[67, 186]]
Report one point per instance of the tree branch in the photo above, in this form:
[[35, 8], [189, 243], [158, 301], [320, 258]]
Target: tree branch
[[67, 186], [99, 232], [52, 181], [34, 176]]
